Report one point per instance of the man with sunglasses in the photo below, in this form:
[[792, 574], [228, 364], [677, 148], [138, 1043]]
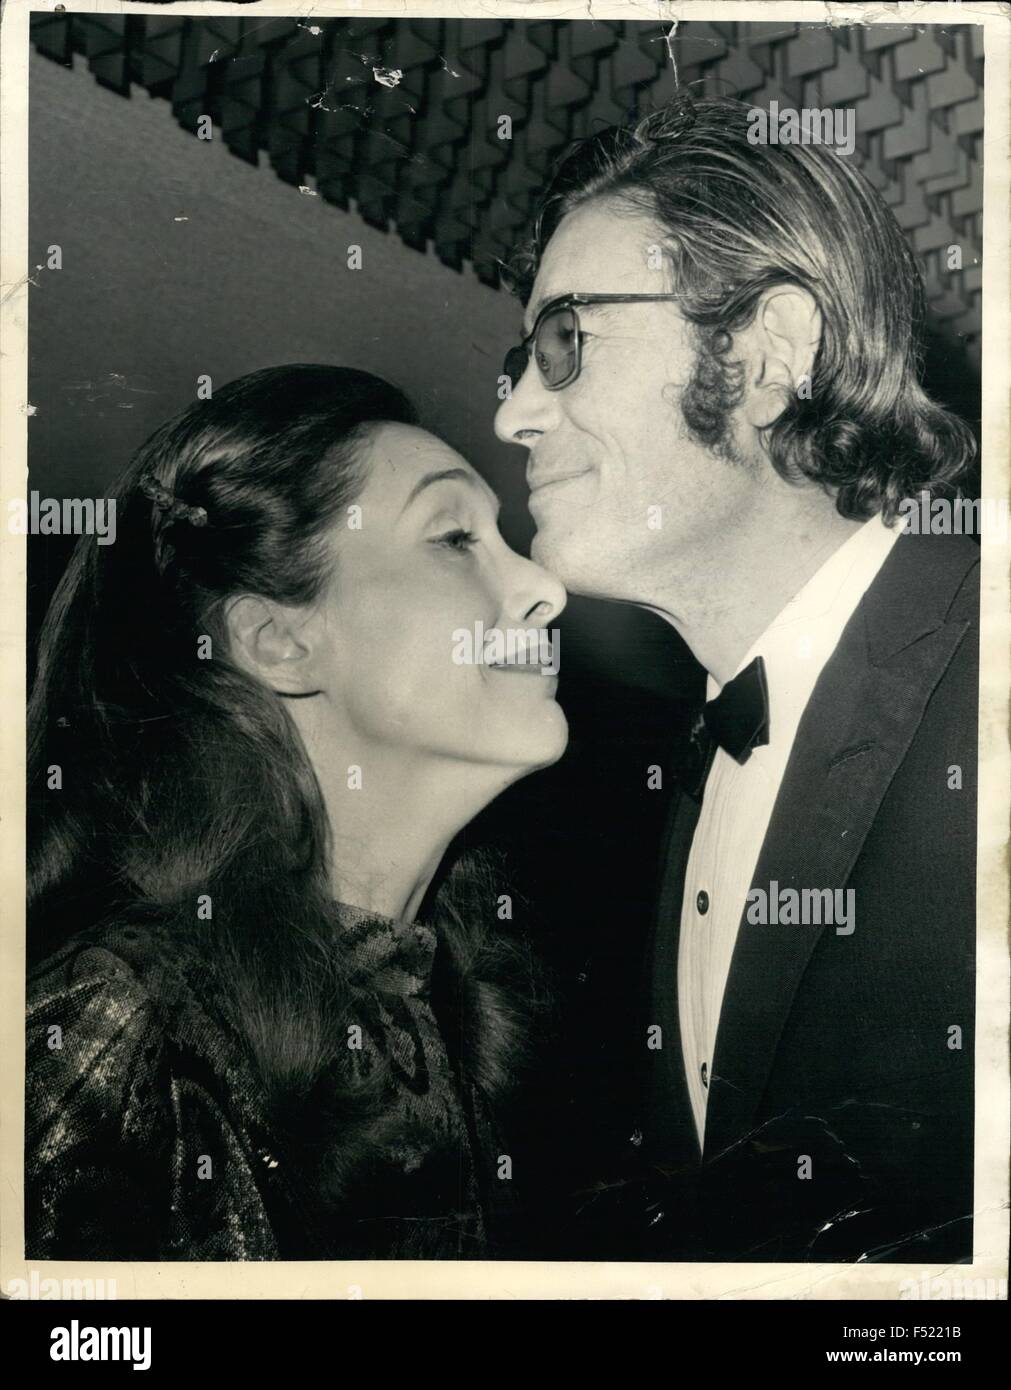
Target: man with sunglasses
[[717, 388]]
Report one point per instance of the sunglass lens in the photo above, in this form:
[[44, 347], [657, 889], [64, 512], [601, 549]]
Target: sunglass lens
[[556, 347]]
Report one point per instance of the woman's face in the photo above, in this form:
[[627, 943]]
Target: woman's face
[[423, 580]]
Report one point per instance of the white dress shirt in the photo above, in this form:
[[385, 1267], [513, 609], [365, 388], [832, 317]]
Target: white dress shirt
[[738, 800]]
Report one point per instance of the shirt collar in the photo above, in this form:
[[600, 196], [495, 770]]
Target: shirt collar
[[803, 635]]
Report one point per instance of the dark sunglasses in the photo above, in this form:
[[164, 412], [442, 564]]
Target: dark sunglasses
[[557, 339]]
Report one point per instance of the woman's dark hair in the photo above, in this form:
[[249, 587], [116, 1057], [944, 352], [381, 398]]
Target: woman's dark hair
[[738, 216], [182, 777]]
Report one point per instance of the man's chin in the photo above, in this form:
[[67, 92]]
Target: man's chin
[[569, 560]]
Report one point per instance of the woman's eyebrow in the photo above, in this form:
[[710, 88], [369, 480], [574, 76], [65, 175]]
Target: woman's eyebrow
[[449, 475]]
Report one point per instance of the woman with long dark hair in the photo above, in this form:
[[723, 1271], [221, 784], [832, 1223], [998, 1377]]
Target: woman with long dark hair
[[266, 1019]]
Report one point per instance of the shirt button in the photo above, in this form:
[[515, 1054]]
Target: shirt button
[[702, 902], [704, 1073]]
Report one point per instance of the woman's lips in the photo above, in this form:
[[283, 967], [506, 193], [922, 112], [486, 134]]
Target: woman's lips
[[524, 670], [547, 681]]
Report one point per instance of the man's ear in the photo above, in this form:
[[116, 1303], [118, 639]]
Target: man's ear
[[272, 643], [779, 349]]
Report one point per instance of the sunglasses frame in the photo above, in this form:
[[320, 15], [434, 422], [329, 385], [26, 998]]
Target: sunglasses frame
[[572, 301]]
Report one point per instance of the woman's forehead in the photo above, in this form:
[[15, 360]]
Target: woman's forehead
[[400, 457], [409, 449]]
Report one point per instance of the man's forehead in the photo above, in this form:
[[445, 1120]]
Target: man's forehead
[[597, 249]]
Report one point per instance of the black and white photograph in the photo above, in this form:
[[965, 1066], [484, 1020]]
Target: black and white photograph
[[507, 642]]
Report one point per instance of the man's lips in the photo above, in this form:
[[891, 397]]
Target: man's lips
[[539, 483]]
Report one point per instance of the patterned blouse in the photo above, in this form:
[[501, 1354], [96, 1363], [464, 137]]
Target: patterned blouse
[[147, 1129]]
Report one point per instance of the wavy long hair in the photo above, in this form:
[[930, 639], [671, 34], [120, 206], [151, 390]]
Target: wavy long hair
[[738, 217], [184, 776]]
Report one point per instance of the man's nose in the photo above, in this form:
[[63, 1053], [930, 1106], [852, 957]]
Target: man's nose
[[527, 412]]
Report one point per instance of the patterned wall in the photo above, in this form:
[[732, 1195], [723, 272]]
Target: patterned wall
[[422, 156]]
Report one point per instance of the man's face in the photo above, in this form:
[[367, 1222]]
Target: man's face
[[618, 488]]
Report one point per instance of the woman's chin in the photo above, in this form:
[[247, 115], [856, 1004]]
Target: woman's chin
[[561, 738], [541, 746]]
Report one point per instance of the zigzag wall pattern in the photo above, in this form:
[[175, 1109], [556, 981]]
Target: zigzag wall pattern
[[424, 157]]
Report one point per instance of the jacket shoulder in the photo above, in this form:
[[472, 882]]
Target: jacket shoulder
[[966, 601], [127, 1091], [94, 1043]]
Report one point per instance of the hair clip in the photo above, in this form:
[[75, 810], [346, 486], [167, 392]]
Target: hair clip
[[165, 501]]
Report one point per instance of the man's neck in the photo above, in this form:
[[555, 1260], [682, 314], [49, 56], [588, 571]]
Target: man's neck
[[727, 598]]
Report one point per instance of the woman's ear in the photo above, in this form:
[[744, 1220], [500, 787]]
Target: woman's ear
[[272, 643], [779, 347]]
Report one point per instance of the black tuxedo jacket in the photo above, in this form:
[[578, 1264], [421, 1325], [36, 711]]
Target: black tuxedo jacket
[[840, 1110]]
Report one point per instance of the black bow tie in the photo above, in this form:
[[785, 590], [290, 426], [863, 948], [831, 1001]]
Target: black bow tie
[[737, 720]]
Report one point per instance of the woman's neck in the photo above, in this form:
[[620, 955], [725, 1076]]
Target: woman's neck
[[392, 813]]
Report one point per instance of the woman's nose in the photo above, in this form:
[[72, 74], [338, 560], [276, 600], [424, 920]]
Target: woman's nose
[[535, 597]]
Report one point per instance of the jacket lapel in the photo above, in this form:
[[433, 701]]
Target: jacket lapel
[[855, 732], [672, 1123]]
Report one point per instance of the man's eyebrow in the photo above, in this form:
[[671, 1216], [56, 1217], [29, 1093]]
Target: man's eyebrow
[[530, 317], [443, 475]]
